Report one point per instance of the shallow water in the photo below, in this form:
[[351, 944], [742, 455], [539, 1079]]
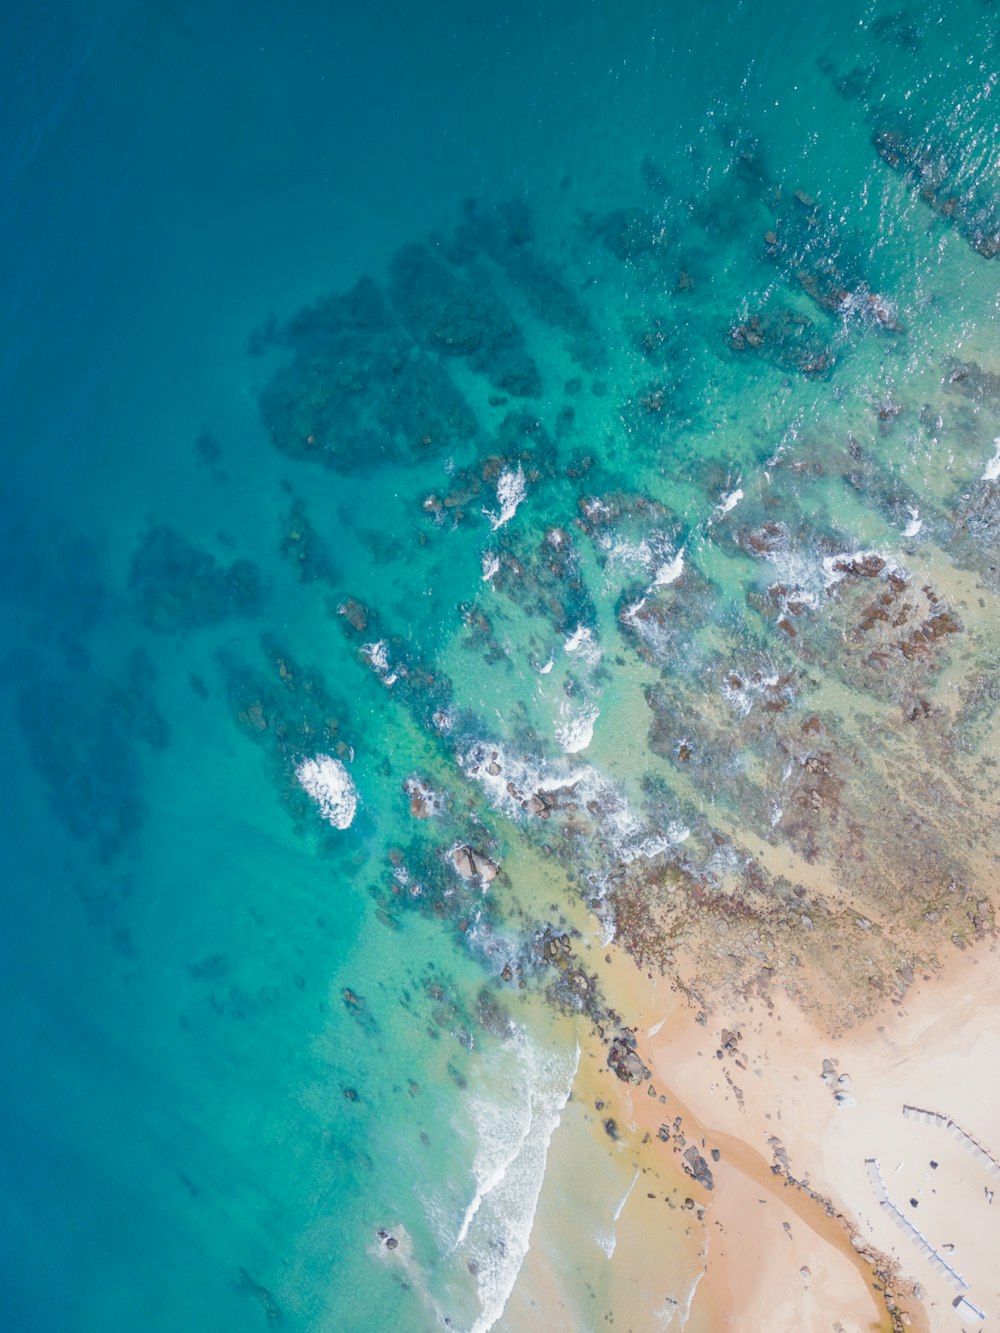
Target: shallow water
[[673, 333]]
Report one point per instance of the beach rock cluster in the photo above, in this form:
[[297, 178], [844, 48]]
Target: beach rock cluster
[[471, 864], [697, 1168], [838, 1083], [787, 339], [425, 802], [546, 579], [625, 1062]]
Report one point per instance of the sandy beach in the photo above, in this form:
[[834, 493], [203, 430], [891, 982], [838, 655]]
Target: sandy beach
[[797, 1232]]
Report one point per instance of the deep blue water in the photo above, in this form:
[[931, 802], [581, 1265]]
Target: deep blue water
[[178, 1143]]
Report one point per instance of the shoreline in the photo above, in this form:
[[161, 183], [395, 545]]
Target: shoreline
[[794, 1234]]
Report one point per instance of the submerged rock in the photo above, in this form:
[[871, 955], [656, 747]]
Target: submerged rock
[[355, 613], [302, 545], [424, 801], [177, 586], [358, 391], [938, 175], [456, 316]]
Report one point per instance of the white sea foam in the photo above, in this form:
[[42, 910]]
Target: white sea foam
[[869, 306], [547, 667], [915, 523], [631, 555], [751, 688], [608, 1239], [509, 1168], [654, 556], [595, 508], [494, 1159], [582, 641], [524, 775], [674, 1315], [511, 490], [378, 655], [802, 574], [833, 575], [576, 732], [992, 470], [491, 565], [626, 837], [670, 571], [330, 785], [729, 502]]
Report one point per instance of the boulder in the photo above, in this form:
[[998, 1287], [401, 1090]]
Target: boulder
[[697, 1168], [486, 869], [471, 864], [461, 859], [626, 1064]]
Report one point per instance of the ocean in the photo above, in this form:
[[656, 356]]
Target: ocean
[[408, 414]]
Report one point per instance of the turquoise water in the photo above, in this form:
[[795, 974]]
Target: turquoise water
[[240, 1040]]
